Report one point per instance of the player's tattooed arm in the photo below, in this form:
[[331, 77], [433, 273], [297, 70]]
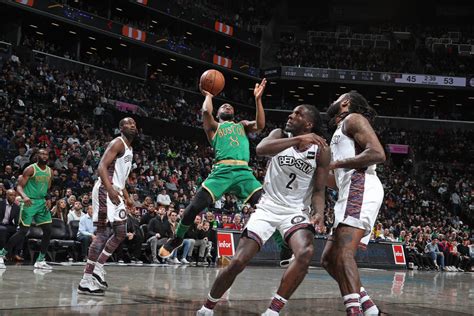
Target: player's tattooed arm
[[320, 179], [209, 123], [259, 123], [359, 128]]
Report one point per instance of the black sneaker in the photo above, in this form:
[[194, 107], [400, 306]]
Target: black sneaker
[[89, 287], [286, 257], [171, 244]]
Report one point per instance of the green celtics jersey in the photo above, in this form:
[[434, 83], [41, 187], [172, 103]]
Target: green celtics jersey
[[37, 185], [230, 142]]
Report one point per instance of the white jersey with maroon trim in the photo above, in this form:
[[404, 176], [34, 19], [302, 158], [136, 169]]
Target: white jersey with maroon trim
[[288, 180], [119, 169]]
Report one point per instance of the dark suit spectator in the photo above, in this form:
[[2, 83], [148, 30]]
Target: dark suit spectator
[[134, 238], [9, 216], [159, 230]]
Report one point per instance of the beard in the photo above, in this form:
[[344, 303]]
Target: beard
[[130, 135], [332, 113], [226, 116]]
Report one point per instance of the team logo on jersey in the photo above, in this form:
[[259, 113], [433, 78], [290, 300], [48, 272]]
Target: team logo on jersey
[[122, 214], [297, 219], [127, 158], [298, 163], [311, 155], [335, 139]]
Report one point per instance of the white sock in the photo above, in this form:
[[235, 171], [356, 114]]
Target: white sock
[[352, 300], [372, 310]]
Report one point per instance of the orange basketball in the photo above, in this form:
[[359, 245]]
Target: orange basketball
[[212, 81]]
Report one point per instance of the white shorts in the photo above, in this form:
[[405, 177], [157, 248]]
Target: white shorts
[[359, 203], [270, 216], [103, 208]]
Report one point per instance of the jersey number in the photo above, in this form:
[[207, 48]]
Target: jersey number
[[292, 178]]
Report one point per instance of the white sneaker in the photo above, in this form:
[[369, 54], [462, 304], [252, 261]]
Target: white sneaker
[[89, 286], [99, 275], [204, 311], [184, 261], [286, 263], [174, 261], [269, 312], [42, 265], [2, 263]]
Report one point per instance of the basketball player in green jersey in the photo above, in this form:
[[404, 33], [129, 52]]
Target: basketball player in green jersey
[[33, 187], [231, 172]]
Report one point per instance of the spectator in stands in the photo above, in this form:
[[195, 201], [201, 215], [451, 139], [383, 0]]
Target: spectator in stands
[[436, 256], [7, 177], [86, 231], [75, 213], [159, 230], [22, 159], [210, 217], [200, 237], [60, 210], [163, 198], [9, 216], [134, 239], [149, 215], [225, 222], [466, 259], [237, 222]]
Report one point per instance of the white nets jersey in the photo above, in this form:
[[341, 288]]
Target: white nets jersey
[[119, 169], [343, 147], [288, 180]]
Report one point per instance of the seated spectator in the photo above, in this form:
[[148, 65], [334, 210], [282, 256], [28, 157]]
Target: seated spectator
[[187, 243], [201, 238], [60, 210], [134, 239], [85, 233], [75, 213], [225, 222], [149, 215], [466, 259], [163, 198], [9, 216], [159, 230], [211, 219], [237, 222], [436, 255]]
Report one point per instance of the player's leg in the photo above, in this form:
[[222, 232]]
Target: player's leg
[[301, 243], [202, 200], [246, 250], [43, 219]]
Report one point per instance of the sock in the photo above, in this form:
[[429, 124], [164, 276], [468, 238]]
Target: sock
[[277, 303], [368, 306], [181, 230], [89, 269], [40, 257], [352, 303], [104, 256], [211, 302]]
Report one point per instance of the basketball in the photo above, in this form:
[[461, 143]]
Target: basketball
[[212, 81]]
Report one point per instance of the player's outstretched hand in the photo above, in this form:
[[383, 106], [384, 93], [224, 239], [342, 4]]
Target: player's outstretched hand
[[311, 138], [259, 88], [204, 92]]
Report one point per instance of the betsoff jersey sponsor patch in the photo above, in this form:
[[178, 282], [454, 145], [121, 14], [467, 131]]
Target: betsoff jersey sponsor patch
[[311, 155]]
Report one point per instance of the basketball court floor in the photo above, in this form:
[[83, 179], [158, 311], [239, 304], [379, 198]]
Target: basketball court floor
[[181, 290]]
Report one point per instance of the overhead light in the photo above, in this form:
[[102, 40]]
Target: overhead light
[[273, 82], [310, 93], [122, 44], [109, 48], [342, 87], [301, 100], [416, 106], [88, 52], [376, 104], [235, 78], [471, 98], [430, 92], [292, 91], [301, 88], [400, 90], [172, 59], [164, 64], [418, 100], [153, 21], [118, 9], [149, 65], [251, 89], [434, 100], [189, 33], [33, 26], [93, 48], [55, 24], [296, 95], [159, 70], [440, 96], [92, 38], [39, 33], [72, 32], [432, 105], [316, 85], [378, 97], [269, 95], [458, 104], [227, 46], [383, 92], [389, 99], [190, 67]]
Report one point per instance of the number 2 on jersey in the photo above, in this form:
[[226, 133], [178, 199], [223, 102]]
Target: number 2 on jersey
[[292, 179]]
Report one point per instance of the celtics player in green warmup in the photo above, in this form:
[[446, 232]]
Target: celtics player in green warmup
[[33, 187], [231, 172]]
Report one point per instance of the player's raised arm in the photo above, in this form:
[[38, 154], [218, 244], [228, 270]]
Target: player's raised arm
[[359, 128], [276, 142], [320, 179], [112, 151], [259, 123], [22, 180], [209, 123]]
